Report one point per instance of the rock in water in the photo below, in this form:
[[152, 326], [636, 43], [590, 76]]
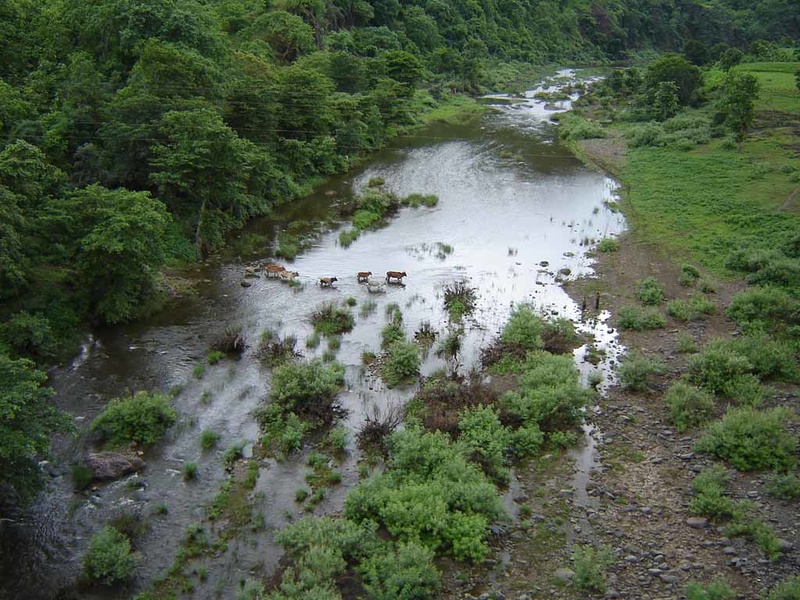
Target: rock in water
[[111, 465]]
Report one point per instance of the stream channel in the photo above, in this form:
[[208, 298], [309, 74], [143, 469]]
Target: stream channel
[[517, 210]]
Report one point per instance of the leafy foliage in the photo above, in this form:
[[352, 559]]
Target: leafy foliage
[[27, 419], [401, 363], [752, 440], [688, 406], [143, 418], [109, 559]]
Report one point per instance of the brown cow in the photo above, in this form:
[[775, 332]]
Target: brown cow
[[398, 275], [362, 276], [327, 281], [274, 270], [288, 275]]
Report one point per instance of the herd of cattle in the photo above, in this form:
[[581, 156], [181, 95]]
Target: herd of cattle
[[280, 272]]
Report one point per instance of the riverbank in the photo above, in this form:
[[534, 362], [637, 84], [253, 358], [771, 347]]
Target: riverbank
[[657, 541]]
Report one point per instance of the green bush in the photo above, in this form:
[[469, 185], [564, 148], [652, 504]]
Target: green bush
[[430, 495], [391, 334], [142, 418], [30, 336], [636, 370], [208, 439], [784, 485], [647, 134], [233, 452], [716, 590], [608, 245], [688, 406], [640, 319], [769, 358], [189, 471], [375, 182], [549, 393], [685, 343], [307, 388], [401, 363], [214, 357], [574, 127], [348, 236], [688, 276], [696, 307], [330, 319], [485, 440], [590, 568], [788, 589], [407, 572], [459, 300], [363, 219], [710, 499], [717, 366], [82, 477], [764, 309], [649, 291], [752, 440], [524, 329], [109, 559]]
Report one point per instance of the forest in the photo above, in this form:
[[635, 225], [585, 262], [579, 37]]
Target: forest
[[137, 135]]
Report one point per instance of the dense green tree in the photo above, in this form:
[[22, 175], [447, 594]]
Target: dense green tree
[[737, 102], [13, 268], [665, 99], [120, 247], [730, 58], [696, 52], [673, 67], [27, 419], [287, 34]]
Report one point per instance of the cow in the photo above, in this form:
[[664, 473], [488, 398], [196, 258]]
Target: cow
[[288, 275], [327, 281], [273, 270], [398, 275], [362, 276]]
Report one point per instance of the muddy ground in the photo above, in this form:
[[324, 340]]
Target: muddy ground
[[633, 506]]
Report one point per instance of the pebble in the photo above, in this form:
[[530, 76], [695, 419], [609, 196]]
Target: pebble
[[564, 574], [697, 522], [631, 559], [784, 545], [669, 578]]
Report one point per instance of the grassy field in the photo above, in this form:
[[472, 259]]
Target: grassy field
[[703, 203]]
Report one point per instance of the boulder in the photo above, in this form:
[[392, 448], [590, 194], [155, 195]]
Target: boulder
[[112, 465]]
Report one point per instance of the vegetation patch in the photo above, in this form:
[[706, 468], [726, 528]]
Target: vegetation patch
[[459, 300], [330, 319], [142, 418], [649, 291], [688, 406], [752, 440], [109, 559], [640, 319]]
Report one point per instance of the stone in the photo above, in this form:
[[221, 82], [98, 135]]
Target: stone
[[112, 465], [245, 283], [697, 522], [669, 578], [784, 545], [564, 574]]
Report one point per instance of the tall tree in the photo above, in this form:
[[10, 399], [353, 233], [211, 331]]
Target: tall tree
[[737, 103], [27, 419]]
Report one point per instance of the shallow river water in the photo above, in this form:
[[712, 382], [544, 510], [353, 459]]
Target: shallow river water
[[515, 207]]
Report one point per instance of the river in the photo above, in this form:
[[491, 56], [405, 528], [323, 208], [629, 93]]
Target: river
[[515, 207]]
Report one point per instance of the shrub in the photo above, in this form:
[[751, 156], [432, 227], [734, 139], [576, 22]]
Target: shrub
[[407, 572], [636, 371], [392, 334], [401, 363], [214, 357], [313, 341], [350, 301], [233, 452], [274, 351], [348, 236], [339, 438], [640, 319], [367, 308], [459, 299], [574, 127], [784, 485], [189, 471], [716, 590], [688, 406], [649, 291], [375, 182], [685, 343], [330, 319], [364, 219], [764, 309], [781, 272], [307, 388], [716, 366], [688, 276], [142, 418], [82, 477], [589, 567], [769, 358], [710, 499], [199, 370], [231, 341], [608, 245], [549, 393], [648, 134], [788, 589], [692, 309], [752, 440], [208, 439], [30, 336], [524, 329], [485, 440], [109, 559]]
